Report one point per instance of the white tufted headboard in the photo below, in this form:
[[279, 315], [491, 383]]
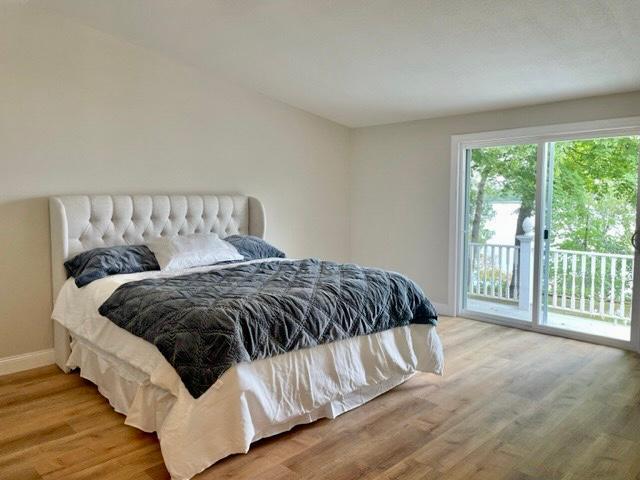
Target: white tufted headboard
[[83, 222]]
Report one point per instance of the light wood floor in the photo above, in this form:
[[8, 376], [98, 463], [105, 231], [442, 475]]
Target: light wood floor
[[512, 405]]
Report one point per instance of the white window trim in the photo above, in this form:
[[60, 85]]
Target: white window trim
[[538, 135]]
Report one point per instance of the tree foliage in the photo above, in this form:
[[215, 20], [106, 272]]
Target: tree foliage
[[594, 194], [594, 191]]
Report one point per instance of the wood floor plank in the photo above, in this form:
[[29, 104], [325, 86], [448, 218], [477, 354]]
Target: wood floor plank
[[512, 405]]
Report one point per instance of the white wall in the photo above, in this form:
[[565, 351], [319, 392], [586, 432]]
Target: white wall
[[83, 112], [400, 183]]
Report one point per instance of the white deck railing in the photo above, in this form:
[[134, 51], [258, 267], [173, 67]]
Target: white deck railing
[[493, 270], [595, 284]]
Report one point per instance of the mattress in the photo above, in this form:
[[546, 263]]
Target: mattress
[[251, 400]]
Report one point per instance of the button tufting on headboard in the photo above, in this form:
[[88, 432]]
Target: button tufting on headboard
[[120, 219], [82, 222]]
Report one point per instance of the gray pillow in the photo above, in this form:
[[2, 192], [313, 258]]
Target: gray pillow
[[253, 248], [92, 265]]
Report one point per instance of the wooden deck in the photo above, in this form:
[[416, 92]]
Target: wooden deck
[[512, 405]]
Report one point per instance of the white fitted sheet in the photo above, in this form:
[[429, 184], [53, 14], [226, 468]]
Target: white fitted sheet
[[251, 400]]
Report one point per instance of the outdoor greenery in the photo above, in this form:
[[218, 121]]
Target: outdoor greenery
[[593, 210], [594, 191]]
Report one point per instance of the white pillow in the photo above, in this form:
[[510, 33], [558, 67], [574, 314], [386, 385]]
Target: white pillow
[[186, 251]]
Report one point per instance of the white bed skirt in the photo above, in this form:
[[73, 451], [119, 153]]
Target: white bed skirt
[[262, 398]]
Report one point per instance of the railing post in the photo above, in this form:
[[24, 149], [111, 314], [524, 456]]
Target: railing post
[[525, 274]]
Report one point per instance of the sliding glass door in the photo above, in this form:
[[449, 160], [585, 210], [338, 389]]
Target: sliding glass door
[[500, 207], [546, 233], [591, 195]]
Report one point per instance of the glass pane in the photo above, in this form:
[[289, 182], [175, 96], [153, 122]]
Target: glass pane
[[499, 207], [591, 216]]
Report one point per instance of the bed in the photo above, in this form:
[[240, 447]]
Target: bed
[[251, 400]]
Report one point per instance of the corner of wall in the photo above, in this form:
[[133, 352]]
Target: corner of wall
[[351, 132]]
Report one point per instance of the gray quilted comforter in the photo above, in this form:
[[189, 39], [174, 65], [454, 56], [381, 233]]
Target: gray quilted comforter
[[204, 323]]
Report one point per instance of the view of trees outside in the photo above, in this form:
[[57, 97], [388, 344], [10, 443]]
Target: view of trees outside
[[501, 173], [594, 191], [593, 210], [594, 194]]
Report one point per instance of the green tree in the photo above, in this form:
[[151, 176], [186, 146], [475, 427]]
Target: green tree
[[594, 194], [594, 191], [485, 166]]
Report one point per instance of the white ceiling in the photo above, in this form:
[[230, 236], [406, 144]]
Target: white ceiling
[[366, 62]]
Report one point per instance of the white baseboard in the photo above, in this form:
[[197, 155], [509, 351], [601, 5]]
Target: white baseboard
[[25, 361], [443, 308]]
